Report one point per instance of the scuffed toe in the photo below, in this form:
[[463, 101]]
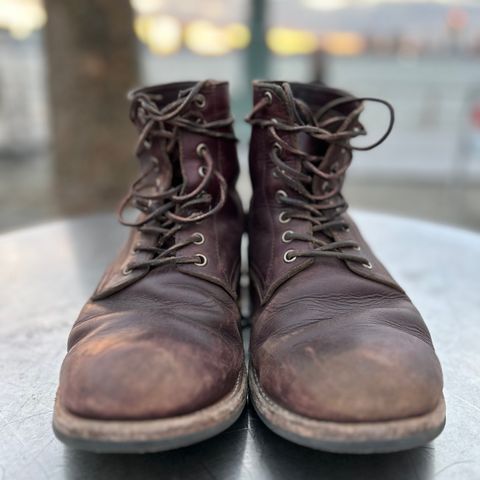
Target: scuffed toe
[[124, 378], [352, 374]]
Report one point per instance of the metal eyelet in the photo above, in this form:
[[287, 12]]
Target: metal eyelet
[[281, 193], [367, 265], [284, 236], [201, 148], [282, 219], [346, 228], [126, 270], [268, 95], [200, 101], [203, 260], [201, 238], [202, 170], [287, 258], [357, 248]]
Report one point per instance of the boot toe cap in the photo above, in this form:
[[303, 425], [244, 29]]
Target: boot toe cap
[[353, 375], [115, 378]]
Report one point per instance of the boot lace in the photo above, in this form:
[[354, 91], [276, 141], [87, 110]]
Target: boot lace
[[165, 209], [322, 207]]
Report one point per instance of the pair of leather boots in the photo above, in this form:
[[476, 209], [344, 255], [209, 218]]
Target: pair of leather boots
[[340, 359]]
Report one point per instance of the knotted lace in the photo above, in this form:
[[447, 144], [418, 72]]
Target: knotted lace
[[166, 208], [318, 185]]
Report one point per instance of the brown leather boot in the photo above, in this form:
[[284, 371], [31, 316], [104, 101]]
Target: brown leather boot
[[155, 360], [340, 358]]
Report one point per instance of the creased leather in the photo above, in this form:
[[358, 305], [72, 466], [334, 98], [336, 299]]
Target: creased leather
[[331, 340], [224, 230], [165, 341]]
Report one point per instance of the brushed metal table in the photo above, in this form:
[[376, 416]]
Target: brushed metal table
[[48, 271]]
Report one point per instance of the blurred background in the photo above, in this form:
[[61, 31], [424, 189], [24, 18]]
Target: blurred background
[[65, 66]]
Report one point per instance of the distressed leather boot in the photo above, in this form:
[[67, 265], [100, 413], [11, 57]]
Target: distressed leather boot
[[155, 360], [341, 360]]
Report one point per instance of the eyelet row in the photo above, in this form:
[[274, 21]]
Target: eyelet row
[[200, 241], [202, 258], [201, 148], [283, 219], [288, 259]]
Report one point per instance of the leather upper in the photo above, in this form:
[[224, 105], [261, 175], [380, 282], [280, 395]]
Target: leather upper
[[331, 339], [167, 345], [161, 341]]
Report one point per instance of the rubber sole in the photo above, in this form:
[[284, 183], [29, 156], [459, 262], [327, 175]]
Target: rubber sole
[[143, 436], [336, 437]]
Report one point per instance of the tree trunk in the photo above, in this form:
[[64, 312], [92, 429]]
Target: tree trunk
[[91, 51]]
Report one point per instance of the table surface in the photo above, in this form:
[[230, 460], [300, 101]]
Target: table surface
[[48, 272]]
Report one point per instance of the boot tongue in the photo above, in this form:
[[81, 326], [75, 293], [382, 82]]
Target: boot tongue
[[307, 143], [158, 168], [304, 103], [182, 165], [330, 153], [162, 169]]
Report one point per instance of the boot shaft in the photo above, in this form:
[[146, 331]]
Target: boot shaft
[[279, 109], [190, 215], [176, 122], [300, 151]]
